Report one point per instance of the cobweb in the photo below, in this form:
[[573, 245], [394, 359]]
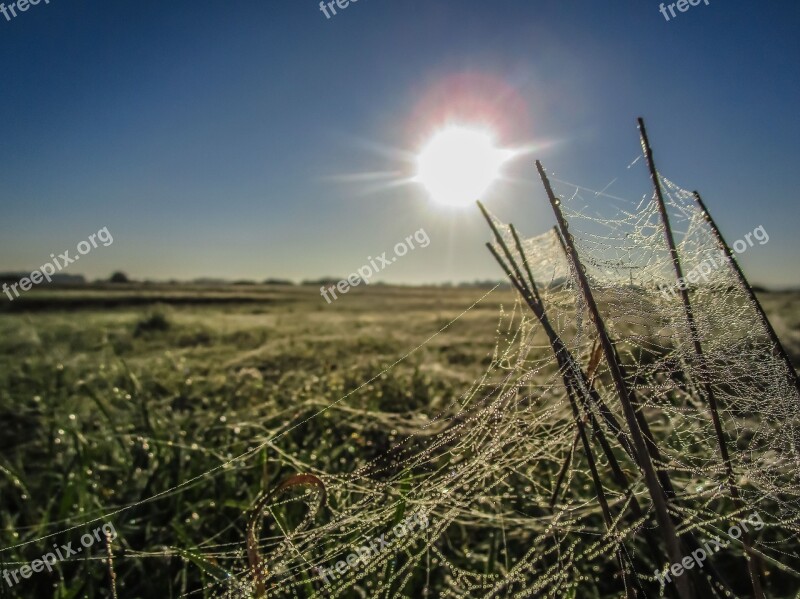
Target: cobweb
[[497, 489]]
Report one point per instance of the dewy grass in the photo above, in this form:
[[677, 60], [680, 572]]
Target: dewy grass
[[76, 442], [96, 418]]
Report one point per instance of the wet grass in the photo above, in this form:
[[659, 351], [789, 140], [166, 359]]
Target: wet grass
[[112, 395]]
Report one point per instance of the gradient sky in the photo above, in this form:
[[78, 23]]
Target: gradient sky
[[255, 139]]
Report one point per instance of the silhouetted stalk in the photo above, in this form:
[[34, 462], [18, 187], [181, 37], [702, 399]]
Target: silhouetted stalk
[[582, 384], [618, 375], [722, 444], [568, 367], [777, 345], [537, 308], [563, 472]]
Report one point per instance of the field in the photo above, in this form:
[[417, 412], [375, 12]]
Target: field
[[111, 395]]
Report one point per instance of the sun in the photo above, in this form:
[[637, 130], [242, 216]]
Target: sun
[[459, 164]]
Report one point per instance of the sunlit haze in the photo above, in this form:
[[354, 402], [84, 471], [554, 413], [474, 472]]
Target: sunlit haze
[[459, 164]]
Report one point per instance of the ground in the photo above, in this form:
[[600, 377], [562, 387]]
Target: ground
[[112, 394]]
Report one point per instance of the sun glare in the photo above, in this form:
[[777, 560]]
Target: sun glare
[[459, 164]]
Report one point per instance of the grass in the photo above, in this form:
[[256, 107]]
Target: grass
[[110, 395]]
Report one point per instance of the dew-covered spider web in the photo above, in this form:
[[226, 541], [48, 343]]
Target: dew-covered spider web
[[495, 495]]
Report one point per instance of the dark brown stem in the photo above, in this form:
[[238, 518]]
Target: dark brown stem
[[698, 351], [618, 375], [778, 346]]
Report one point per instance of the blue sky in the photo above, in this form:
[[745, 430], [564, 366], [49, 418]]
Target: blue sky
[[223, 139]]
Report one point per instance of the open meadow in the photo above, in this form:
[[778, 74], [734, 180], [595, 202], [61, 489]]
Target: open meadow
[[113, 395]]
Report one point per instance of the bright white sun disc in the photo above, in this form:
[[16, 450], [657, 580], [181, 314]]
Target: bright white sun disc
[[459, 165]]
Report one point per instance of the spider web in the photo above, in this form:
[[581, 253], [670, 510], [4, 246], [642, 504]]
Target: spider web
[[499, 476]]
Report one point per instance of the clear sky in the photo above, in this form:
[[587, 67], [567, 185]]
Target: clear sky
[[257, 138]]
